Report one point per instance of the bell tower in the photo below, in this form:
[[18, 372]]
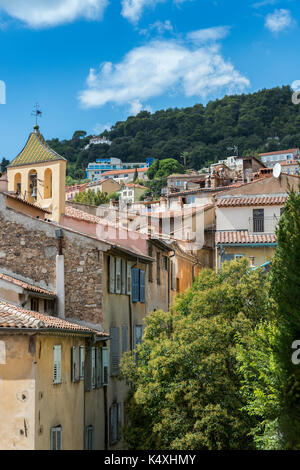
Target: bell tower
[[37, 175]]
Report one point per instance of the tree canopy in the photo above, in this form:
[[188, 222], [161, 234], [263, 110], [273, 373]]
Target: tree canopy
[[91, 197], [259, 122], [185, 382]]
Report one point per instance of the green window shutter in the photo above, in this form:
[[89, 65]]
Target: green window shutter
[[135, 285], [105, 372], [112, 274], [142, 286], [114, 350], [124, 339]]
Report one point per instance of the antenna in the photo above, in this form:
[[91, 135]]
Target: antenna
[[37, 113], [277, 170]]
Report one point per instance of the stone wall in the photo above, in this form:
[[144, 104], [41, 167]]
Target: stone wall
[[28, 249]]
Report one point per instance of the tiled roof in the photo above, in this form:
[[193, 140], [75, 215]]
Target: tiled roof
[[278, 152], [252, 201], [121, 172], [81, 215], [25, 285], [244, 237], [204, 190], [36, 150], [23, 201], [12, 316]]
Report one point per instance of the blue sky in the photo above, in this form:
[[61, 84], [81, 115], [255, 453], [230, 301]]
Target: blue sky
[[89, 64]]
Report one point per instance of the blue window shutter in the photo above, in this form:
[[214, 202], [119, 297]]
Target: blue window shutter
[[142, 286], [135, 285]]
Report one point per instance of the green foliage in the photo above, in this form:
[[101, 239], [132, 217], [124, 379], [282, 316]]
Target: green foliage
[[158, 174], [271, 380], [4, 165], [204, 132], [185, 383], [92, 198]]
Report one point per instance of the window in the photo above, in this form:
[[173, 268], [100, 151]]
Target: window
[[118, 276], [165, 262], [81, 362], [173, 275], [105, 372], [75, 364], [124, 339], [57, 364], [158, 268], [128, 278], [258, 220], [93, 368], [124, 276], [138, 335], [238, 256], [114, 350], [142, 286], [150, 267], [135, 285], [227, 257], [49, 306], [98, 368], [89, 438], [112, 268], [56, 438], [34, 304], [115, 423]]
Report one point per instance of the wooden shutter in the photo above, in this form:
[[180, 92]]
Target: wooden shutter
[[135, 285], [75, 364], [114, 350], [118, 276], [142, 286], [88, 369], [81, 362], [105, 373], [98, 367], [173, 275], [112, 273], [56, 438], [89, 438], [124, 276], [93, 368], [124, 339], [128, 288], [119, 420], [138, 335], [57, 364]]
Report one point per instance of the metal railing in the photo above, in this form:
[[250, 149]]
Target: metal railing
[[262, 225]]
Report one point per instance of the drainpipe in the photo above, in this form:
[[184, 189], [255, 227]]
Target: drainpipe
[[60, 274], [169, 280]]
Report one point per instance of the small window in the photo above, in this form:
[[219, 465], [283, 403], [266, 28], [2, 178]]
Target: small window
[[49, 306], [105, 372], [173, 275], [114, 350], [81, 362], [112, 273], [158, 268], [89, 438], [239, 256], [124, 276], [34, 304], [165, 263], [93, 368], [118, 276], [138, 335], [129, 278], [57, 364], [56, 438], [142, 286], [75, 364], [135, 285], [115, 423]]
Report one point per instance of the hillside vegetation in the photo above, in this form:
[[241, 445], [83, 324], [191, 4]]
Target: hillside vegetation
[[263, 121]]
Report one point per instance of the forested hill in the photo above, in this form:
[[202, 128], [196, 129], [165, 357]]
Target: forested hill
[[257, 122]]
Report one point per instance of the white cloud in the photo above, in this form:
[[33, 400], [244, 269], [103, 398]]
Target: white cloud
[[160, 67], [159, 26], [99, 128], [279, 20], [43, 13], [132, 9], [209, 34]]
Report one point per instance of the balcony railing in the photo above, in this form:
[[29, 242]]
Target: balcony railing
[[263, 225]]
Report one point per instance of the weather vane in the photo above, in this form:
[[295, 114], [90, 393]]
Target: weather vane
[[37, 113]]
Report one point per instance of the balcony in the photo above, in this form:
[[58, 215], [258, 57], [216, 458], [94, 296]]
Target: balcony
[[262, 225]]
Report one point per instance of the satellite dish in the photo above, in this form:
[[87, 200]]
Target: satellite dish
[[277, 170]]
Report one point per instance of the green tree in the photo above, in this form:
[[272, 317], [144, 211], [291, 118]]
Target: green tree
[[271, 378], [184, 382], [4, 164], [92, 198]]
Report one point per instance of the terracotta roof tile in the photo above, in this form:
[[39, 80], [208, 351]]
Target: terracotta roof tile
[[278, 152], [36, 150], [26, 285], [120, 172], [244, 237], [252, 201], [12, 316]]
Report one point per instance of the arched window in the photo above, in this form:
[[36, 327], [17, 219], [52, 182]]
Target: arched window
[[17, 184], [48, 184], [32, 185]]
